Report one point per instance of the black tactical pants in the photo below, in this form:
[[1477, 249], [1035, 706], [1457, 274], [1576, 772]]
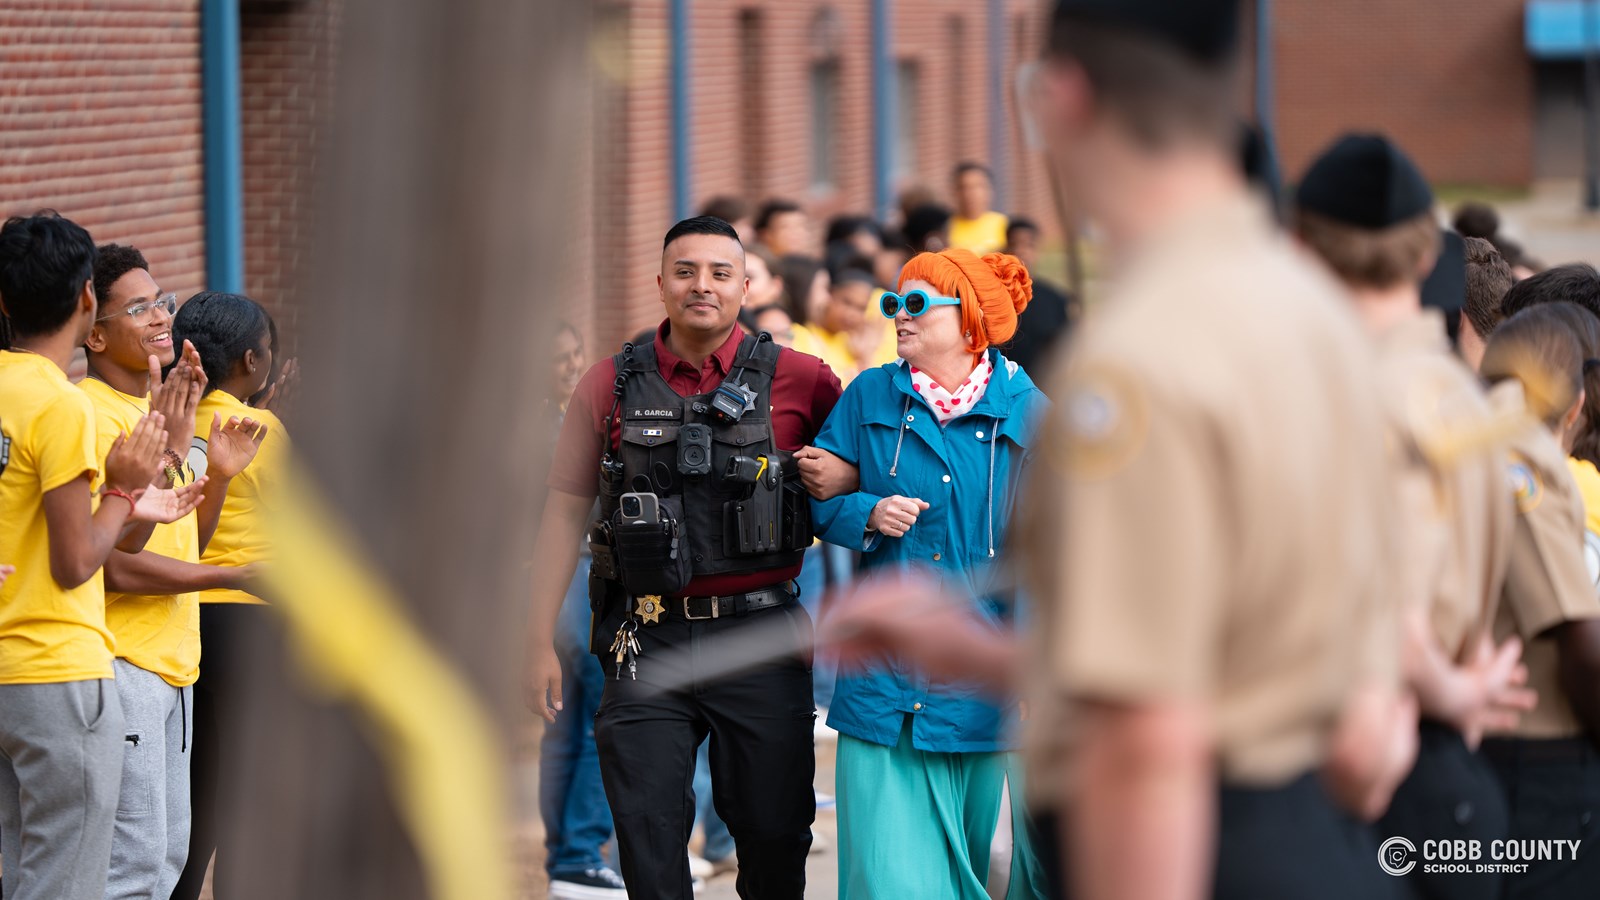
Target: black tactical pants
[[762, 762]]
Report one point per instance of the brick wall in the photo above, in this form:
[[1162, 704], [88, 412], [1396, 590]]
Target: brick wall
[[753, 137], [100, 119], [1449, 81], [286, 71]]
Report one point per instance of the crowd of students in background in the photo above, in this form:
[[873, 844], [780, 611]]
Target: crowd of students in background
[[816, 289], [132, 495]]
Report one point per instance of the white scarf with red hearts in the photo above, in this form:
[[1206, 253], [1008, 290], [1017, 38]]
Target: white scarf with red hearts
[[946, 405]]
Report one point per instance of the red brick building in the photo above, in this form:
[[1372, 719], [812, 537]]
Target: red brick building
[[102, 116], [1451, 82], [781, 104]]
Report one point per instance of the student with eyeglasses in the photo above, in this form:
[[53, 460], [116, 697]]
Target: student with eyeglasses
[[61, 721], [152, 597]]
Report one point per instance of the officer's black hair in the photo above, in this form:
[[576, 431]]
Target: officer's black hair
[[1572, 283], [45, 260], [701, 225], [111, 262], [772, 209], [222, 327]]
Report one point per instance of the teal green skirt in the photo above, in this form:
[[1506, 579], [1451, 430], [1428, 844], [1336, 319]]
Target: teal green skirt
[[913, 823]]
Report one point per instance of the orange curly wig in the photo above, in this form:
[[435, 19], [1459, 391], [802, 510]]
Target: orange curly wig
[[992, 289]]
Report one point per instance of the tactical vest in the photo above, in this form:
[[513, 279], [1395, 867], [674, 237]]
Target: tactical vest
[[710, 506]]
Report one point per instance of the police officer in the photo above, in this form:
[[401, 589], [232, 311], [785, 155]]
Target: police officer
[[1211, 530], [1366, 211], [687, 443]]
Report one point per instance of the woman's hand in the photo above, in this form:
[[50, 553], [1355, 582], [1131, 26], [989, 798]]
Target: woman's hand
[[281, 393], [894, 516], [4, 572], [826, 476], [167, 505], [233, 445]]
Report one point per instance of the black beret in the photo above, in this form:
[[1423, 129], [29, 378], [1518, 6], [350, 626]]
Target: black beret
[[1365, 181], [1205, 29]]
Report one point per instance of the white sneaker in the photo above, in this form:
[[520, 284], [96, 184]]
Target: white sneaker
[[699, 867], [819, 844], [592, 884], [822, 731]]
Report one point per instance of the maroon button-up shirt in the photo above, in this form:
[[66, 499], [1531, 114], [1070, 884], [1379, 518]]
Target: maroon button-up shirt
[[804, 391]]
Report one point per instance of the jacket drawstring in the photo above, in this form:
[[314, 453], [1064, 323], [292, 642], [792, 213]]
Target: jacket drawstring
[[994, 438], [904, 411]]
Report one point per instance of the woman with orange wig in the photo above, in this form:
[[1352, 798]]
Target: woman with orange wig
[[940, 438]]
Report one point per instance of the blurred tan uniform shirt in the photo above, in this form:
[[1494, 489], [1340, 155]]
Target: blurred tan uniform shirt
[[1456, 518], [1548, 582], [1212, 521]]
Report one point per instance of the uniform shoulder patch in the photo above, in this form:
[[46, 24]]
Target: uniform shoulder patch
[[1100, 423], [1526, 485]]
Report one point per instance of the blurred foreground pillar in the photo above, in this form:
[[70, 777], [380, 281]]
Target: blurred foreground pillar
[[438, 233]]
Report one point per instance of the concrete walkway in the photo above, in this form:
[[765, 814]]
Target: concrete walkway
[[1551, 223]]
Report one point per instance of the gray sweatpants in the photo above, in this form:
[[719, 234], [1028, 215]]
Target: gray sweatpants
[[151, 841], [60, 764]]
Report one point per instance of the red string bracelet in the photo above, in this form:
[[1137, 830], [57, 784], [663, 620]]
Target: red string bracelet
[[116, 492]]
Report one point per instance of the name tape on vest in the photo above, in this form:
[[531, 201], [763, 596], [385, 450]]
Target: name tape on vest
[[650, 412]]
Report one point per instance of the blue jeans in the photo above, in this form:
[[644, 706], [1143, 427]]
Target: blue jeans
[[719, 843], [826, 566], [572, 802]]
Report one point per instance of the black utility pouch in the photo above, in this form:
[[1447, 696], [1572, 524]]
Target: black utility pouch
[[603, 560], [796, 508], [653, 557], [754, 525], [797, 530], [605, 599]]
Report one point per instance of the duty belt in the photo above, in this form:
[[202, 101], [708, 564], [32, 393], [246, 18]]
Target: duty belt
[[698, 609]]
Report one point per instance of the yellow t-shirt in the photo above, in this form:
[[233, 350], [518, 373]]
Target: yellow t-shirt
[[985, 234], [157, 633], [48, 634], [241, 536], [835, 351]]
